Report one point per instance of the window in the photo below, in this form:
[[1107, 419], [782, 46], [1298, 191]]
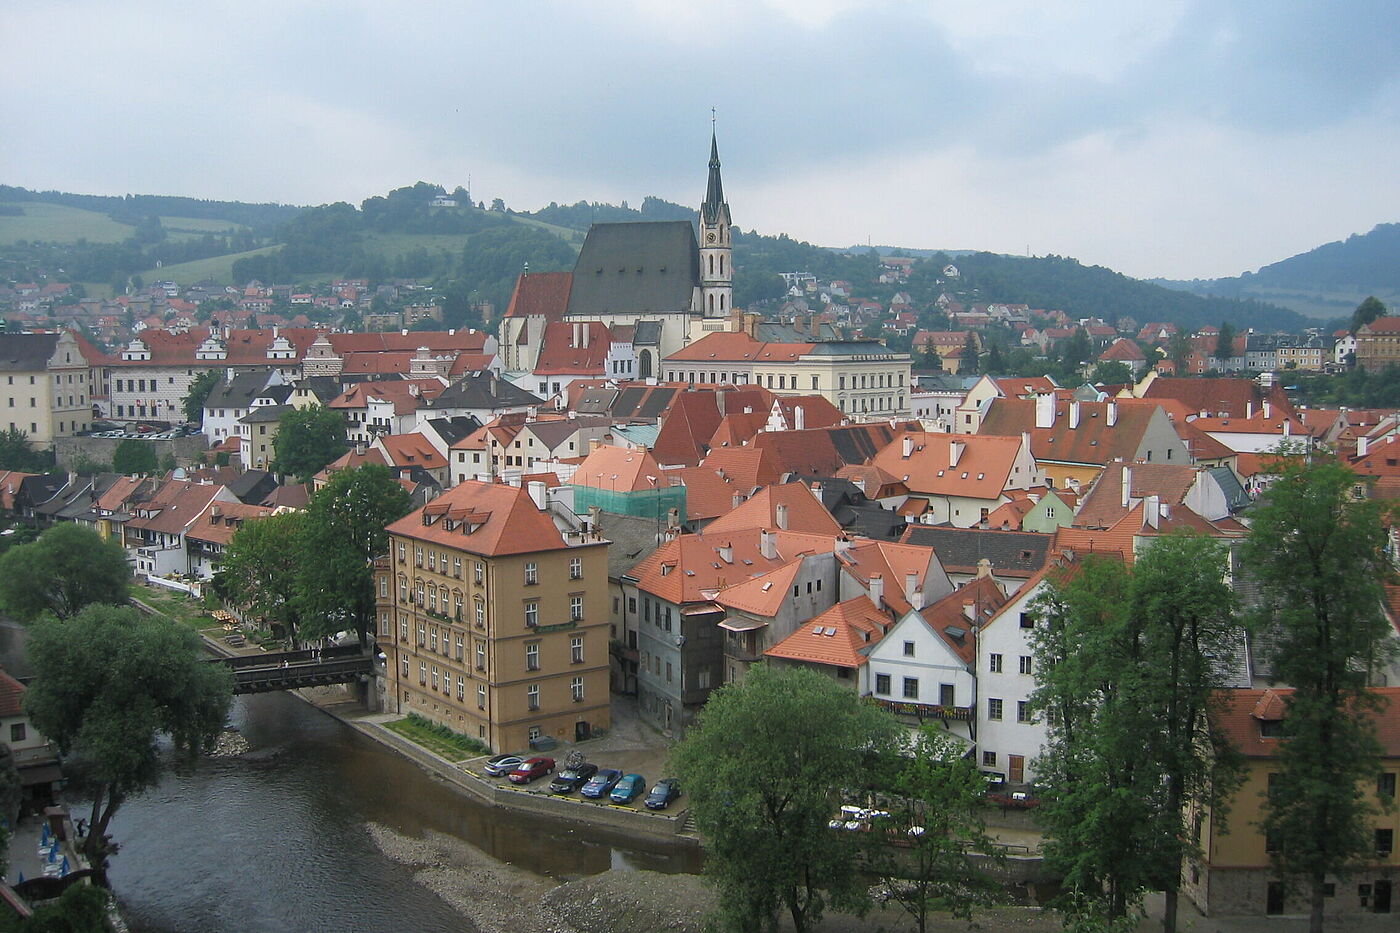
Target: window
[[532, 573], [457, 605], [989, 759], [575, 608], [403, 628], [1027, 620], [403, 667], [1385, 786], [702, 680], [1385, 841], [532, 657], [532, 613], [423, 674], [432, 638], [576, 689], [532, 696], [1026, 664], [457, 567], [993, 708], [994, 663], [418, 591], [575, 568], [480, 696], [481, 655], [947, 695], [435, 677], [576, 649], [480, 612], [668, 672], [17, 732], [422, 635], [418, 557], [384, 587], [432, 560], [908, 649], [479, 574], [461, 688], [461, 648], [1023, 711], [882, 684], [911, 688]]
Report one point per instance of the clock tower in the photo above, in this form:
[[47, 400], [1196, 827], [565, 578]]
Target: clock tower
[[716, 259]]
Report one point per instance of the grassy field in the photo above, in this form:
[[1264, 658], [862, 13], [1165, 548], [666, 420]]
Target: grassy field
[[218, 268], [454, 748], [58, 223], [574, 237], [396, 244], [199, 225], [183, 609]]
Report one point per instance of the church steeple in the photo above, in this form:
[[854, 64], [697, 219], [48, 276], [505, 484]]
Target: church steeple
[[714, 192], [716, 267]]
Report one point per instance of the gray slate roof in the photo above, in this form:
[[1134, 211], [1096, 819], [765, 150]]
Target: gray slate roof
[[484, 391], [645, 267], [26, 353], [238, 392], [1013, 553]]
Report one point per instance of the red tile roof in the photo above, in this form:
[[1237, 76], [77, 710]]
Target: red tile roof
[[174, 507], [483, 518], [620, 469], [11, 696], [220, 528], [749, 466], [542, 293], [737, 347], [968, 608], [983, 468], [1125, 351], [1238, 714], [1103, 506], [691, 568], [574, 348], [412, 450], [803, 510], [1093, 441], [1214, 395], [839, 637]]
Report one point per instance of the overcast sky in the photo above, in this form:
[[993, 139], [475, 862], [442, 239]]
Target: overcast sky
[[1171, 138]]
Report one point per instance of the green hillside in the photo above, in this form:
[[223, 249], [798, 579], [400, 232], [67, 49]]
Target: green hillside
[[58, 223], [216, 268]]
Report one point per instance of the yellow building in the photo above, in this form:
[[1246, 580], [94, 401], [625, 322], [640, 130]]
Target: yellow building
[[44, 386], [493, 621], [1234, 875], [863, 378], [1378, 344]]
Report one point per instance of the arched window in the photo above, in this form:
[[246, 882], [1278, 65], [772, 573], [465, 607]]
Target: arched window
[[721, 264], [712, 264], [721, 301], [712, 302]]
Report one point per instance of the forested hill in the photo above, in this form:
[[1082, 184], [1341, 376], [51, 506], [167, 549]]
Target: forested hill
[[1055, 282], [260, 219], [1328, 280]]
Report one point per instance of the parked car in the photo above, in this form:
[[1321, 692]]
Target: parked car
[[663, 794], [601, 784], [571, 779], [501, 765], [628, 789], [530, 769]]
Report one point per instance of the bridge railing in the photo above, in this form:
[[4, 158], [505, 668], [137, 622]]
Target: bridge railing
[[276, 658]]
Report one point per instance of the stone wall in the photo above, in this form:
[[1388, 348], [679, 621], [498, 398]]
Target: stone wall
[[1244, 891], [100, 449]]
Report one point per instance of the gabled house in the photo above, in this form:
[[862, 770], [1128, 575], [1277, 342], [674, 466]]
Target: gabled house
[[208, 537], [957, 479], [155, 534]]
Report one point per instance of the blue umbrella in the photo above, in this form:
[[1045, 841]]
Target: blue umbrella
[[53, 852], [63, 871]]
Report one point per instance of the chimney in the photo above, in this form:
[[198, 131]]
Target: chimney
[[780, 516], [538, 494], [767, 545], [1045, 411], [736, 500], [594, 444], [955, 452], [816, 488], [726, 552], [1111, 413], [1073, 415], [1287, 427], [1152, 511], [583, 332], [907, 446], [1363, 444], [1127, 485], [877, 589], [984, 568], [911, 589], [595, 521], [673, 519], [1268, 410], [799, 417]]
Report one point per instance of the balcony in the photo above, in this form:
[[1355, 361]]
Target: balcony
[[922, 711]]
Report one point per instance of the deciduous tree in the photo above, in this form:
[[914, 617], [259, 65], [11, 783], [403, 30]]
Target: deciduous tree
[[342, 535], [257, 572], [67, 568], [133, 456], [308, 439], [764, 766], [107, 683], [1318, 554], [936, 801], [1366, 312], [17, 454], [200, 388]]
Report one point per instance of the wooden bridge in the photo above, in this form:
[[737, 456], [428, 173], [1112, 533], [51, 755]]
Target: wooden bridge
[[290, 670]]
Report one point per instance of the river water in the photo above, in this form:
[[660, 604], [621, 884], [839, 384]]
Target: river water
[[277, 839]]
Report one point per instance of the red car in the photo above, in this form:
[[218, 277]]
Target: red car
[[530, 769]]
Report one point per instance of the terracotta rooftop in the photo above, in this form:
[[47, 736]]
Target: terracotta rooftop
[[787, 507], [1238, 713], [976, 466], [620, 469], [840, 637], [483, 518]]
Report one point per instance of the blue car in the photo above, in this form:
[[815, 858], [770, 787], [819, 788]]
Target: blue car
[[600, 784], [628, 789]]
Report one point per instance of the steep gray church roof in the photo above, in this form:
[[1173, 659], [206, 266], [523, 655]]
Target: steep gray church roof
[[639, 268]]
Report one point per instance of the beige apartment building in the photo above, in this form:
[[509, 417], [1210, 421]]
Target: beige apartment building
[[44, 386], [493, 617]]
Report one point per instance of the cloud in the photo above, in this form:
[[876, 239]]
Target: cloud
[[1075, 126]]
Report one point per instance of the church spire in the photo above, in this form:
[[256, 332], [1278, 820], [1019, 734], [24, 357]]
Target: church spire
[[714, 192]]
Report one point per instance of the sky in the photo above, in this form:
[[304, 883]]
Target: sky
[[1165, 138]]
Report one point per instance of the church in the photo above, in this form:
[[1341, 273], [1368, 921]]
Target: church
[[652, 284]]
